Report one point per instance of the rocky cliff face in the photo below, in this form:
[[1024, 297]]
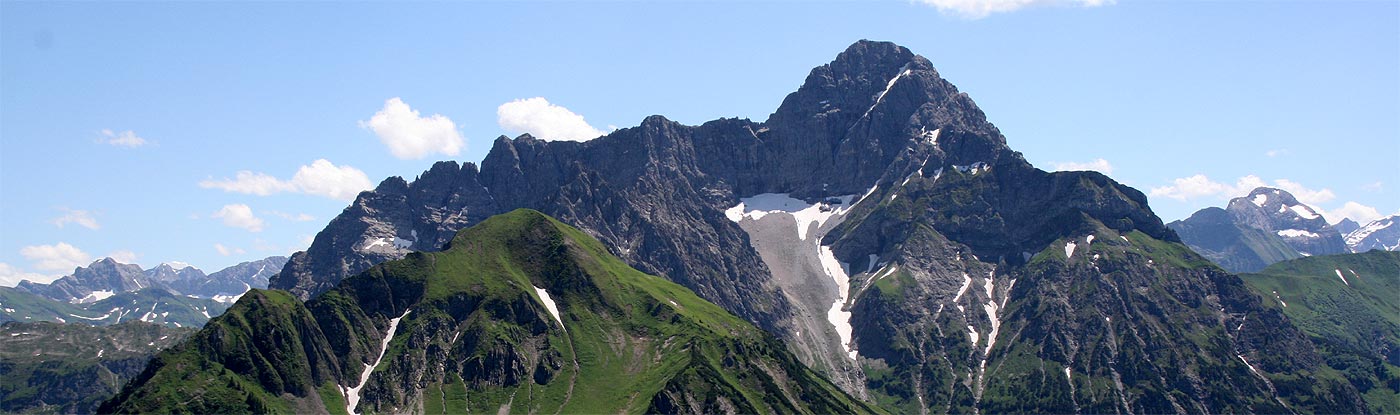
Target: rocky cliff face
[[878, 224], [1277, 211]]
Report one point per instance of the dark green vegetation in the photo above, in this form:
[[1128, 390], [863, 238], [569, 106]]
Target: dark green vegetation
[[152, 305], [1355, 324], [71, 368], [475, 336]]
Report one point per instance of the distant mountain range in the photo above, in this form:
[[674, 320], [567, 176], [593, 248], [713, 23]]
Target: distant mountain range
[[1270, 225], [109, 292]]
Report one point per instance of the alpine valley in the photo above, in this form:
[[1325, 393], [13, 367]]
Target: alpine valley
[[874, 246]]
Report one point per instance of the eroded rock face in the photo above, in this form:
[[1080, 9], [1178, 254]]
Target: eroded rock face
[[961, 275]]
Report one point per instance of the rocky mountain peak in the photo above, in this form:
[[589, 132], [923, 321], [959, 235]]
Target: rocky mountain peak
[[1279, 212]]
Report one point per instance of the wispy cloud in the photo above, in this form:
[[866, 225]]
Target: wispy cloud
[[1200, 185], [239, 216], [320, 178], [11, 275], [544, 120], [1276, 152], [411, 136], [226, 251], [126, 138], [977, 9], [300, 217], [59, 257], [1360, 213], [78, 217]]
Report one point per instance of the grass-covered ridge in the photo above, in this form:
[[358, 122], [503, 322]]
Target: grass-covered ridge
[[476, 336], [1354, 323]]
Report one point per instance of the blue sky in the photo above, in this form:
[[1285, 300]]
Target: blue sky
[[124, 126]]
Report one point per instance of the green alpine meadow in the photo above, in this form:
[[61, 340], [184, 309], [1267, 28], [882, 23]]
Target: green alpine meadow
[[474, 328]]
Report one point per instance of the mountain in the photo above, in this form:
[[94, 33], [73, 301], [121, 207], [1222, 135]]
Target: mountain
[[1267, 226], [98, 280], [1348, 305], [229, 282], [1379, 234], [167, 273], [152, 305], [1214, 234], [107, 277], [1346, 226], [881, 227], [71, 368], [519, 313]]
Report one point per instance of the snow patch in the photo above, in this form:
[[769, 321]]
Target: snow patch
[[1304, 211], [95, 296], [352, 395], [881, 97], [1344, 279], [806, 214], [1260, 199], [967, 282], [973, 168], [1069, 249], [839, 318], [1296, 233], [549, 304], [100, 352]]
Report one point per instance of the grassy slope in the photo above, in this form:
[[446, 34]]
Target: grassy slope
[[630, 342], [1355, 324]]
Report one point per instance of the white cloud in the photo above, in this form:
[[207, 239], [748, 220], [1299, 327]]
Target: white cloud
[[977, 9], [239, 216], [226, 251], [1098, 165], [1360, 213], [1373, 187], [320, 178], [1276, 152], [123, 256], [1304, 194], [60, 257], [126, 138], [1199, 185], [544, 120], [80, 217], [411, 136], [11, 275]]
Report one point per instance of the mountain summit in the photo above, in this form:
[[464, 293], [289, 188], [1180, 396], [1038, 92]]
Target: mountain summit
[[881, 227], [1267, 226]]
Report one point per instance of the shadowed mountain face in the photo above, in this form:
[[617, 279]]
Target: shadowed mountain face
[[518, 314], [882, 228]]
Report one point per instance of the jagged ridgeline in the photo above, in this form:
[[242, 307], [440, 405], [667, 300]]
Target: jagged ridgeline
[[881, 227], [520, 313]]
